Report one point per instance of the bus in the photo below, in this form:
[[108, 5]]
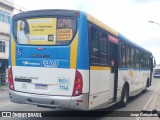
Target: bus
[[69, 59]]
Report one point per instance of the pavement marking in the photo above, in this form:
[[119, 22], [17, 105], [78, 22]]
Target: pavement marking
[[145, 107], [148, 102]]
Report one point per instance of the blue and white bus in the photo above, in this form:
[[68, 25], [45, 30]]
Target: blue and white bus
[[69, 59]]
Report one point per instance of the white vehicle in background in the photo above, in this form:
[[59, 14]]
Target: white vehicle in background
[[156, 73]]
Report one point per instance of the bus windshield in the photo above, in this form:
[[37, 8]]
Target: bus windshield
[[45, 31]]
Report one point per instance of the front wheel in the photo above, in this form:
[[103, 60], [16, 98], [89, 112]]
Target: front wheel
[[124, 97]]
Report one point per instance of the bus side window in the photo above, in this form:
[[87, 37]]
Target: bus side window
[[103, 46], [127, 55], [137, 58], [132, 53], [15, 29], [123, 54], [147, 60], [142, 59], [93, 38]]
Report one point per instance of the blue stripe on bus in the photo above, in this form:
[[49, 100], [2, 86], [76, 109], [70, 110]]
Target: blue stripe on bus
[[59, 55], [83, 51], [43, 63]]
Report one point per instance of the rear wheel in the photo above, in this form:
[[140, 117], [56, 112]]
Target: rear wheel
[[125, 96]]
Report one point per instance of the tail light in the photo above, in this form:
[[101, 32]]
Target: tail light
[[78, 84], [10, 79]]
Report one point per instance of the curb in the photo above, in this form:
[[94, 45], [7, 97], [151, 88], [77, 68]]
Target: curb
[[153, 100], [149, 104]]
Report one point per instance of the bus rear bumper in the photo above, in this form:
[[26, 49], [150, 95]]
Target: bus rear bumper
[[79, 102]]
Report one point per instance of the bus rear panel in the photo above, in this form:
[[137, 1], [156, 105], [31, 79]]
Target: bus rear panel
[[45, 53]]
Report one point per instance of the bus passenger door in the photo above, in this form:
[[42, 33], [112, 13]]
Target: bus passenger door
[[114, 71]]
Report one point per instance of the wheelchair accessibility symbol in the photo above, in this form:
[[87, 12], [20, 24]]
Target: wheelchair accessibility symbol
[[19, 51]]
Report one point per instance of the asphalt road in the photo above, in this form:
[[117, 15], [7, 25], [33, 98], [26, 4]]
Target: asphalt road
[[135, 104]]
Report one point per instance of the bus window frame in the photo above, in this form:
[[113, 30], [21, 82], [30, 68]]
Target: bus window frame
[[89, 44], [125, 65], [128, 52], [132, 47]]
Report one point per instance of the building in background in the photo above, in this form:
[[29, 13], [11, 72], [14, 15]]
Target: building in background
[[6, 12]]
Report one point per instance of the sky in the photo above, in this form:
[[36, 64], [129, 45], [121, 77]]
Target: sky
[[129, 17]]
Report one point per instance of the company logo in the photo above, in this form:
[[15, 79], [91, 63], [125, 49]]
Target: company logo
[[50, 63], [64, 84], [64, 80], [21, 114], [30, 63], [6, 114]]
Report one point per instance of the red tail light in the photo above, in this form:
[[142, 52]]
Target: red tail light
[[78, 84], [10, 79]]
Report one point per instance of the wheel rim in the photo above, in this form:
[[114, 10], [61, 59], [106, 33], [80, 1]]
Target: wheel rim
[[125, 97]]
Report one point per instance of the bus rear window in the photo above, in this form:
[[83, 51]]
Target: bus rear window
[[45, 31]]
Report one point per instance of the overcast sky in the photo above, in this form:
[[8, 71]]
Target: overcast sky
[[129, 17]]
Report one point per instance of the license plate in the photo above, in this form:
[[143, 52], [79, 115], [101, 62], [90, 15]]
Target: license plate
[[41, 86]]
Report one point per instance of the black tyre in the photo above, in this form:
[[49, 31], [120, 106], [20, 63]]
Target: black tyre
[[124, 97], [144, 89], [147, 85]]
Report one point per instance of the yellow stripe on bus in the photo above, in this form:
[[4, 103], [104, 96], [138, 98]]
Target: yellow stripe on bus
[[101, 25], [89, 17], [13, 52], [73, 52], [99, 68]]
